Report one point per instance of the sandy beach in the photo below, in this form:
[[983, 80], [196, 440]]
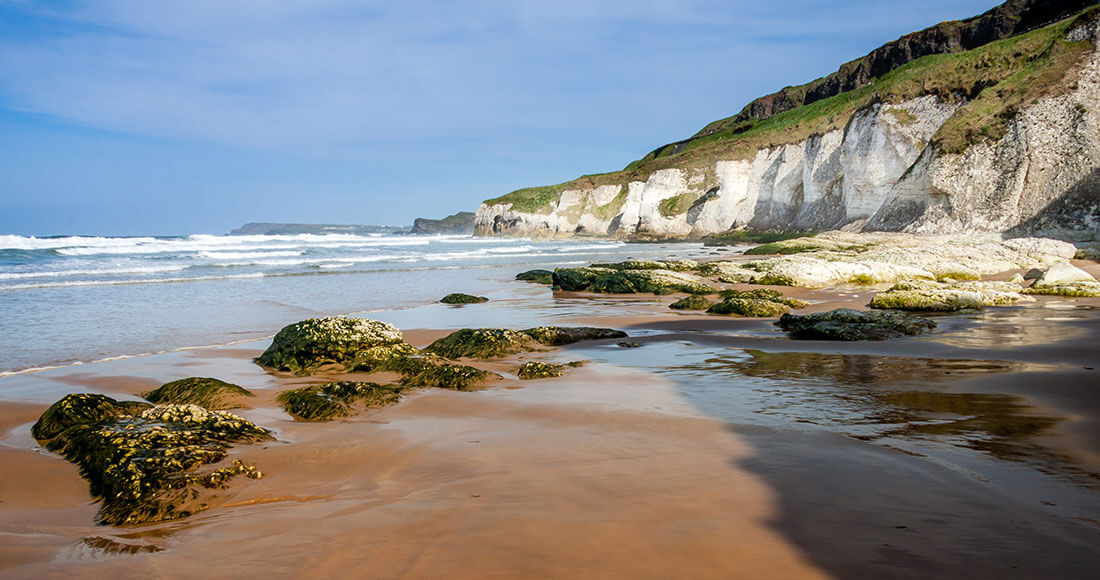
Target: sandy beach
[[718, 448]]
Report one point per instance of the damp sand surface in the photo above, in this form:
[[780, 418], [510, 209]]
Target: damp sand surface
[[716, 448]]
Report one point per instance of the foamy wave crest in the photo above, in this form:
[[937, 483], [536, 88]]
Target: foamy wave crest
[[34, 285], [90, 272], [247, 255]]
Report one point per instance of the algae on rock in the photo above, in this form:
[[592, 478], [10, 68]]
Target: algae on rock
[[205, 392], [562, 335], [460, 298], [848, 324], [540, 370], [614, 280], [330, 400], [304, 346], [759, 302], [692, 302], [927, 296], [539, 276], [144, 463]]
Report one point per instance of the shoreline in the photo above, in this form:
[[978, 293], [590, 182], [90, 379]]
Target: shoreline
[[672, 459]]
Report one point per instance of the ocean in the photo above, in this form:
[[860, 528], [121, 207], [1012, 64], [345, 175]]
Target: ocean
[[79, 299]]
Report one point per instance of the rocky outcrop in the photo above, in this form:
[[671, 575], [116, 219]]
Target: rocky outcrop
[[846, 324], [458, 224], [933, 162]]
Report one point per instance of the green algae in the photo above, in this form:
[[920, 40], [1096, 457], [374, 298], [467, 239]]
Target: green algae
[[693, 302], [1067, 289], [389, 357], [847, 324], [482, 343], [202, 391], [331, 400], [305, 346], [144, 466], [562, 335], [749, 307], [540, 370], [765, 294], [460, 298], [539, 276], [447, 376], [611, 279]]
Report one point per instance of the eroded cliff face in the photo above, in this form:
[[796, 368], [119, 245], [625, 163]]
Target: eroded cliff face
[[877, 174]]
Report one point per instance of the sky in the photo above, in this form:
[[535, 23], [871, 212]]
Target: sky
[[143, 117]]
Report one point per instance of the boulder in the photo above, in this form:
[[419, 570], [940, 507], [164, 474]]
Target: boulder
[[482, 343], [330, 400], [749, 307], [1063, 273], [460, 298], [928, 296], [626, 281], [145, 465], [539, 276], [848, 324], [693, 302], [304, 346], [561, 335], [447, 376], [540, 370], [202, 391]]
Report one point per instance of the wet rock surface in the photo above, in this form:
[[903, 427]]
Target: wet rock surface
[[205, 392], [759, 302], [848, 324], [539, 276], [304, 346], [614, 279], [332, 400], [460, 298], [693, 302], [928, 296], [144, 463], [540, 370]]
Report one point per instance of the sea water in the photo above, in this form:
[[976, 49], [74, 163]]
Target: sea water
[[69, 300]]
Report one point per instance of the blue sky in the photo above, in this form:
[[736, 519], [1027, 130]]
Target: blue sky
[[146, 117]]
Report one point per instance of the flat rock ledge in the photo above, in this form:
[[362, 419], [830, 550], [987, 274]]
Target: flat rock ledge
[[847, 324]]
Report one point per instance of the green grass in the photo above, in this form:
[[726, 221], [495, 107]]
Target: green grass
[[998, 79]]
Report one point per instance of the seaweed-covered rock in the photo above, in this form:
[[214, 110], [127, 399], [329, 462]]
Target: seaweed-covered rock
[[81, 409], [693, 302], [306, 345], [848, 324], [387, 357], [1065, 279], [144, 465], [202, 391], [624, 281], [330, 400], [539, 276], [928, 296], [460, 298], [1068, 289], [674, 265], [560, 335], [765, 294], [540, 370], [749, 307], [447, 376], [482, 343]]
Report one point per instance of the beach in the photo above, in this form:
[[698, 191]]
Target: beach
[[704, 446]]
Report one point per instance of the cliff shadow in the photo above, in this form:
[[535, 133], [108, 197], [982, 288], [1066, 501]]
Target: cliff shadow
[[1073, 215]]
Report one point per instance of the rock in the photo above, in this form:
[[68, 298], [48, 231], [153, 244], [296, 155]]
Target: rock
[[1033, 274], [1016, 279], [630, 344], [1063, 273], [81, 409], [623, 281], [330, 400], [847, 324], [540, 276], [304, 346], [749, 307], [210, 393], [675, 265], [561, 335], [459, 298], [1068, 289], [930, 296], [540, 370], [144, 465], [693, 302], [482, 343], [388, 357], [447, 376]]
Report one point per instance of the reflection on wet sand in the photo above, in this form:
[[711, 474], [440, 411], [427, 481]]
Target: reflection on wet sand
[[883, 399]]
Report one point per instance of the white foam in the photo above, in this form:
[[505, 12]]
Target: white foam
[[68, 283]]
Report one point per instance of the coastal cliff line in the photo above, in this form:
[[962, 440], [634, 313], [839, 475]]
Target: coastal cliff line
[[959, 136]]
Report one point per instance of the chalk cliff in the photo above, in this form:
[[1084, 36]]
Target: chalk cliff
[[1004, 137]]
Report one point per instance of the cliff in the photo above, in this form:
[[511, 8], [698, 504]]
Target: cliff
[[967, 126], [459, 223]]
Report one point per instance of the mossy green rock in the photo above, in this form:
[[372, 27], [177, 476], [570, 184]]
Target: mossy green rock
[[693, 302], [202, 391], [331, 400], [388, 357], [81, 409], [482, 343], [562, 335], [460, 298], [929, 296], [749, 307], [674, 265], [539, 276], [144, 465], [447, 376], [624, 281], [540, 370], [1067, 289], [304, 346], [848, 324], [765, 294]]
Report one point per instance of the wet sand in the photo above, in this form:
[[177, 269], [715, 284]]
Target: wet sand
[[717, 449]]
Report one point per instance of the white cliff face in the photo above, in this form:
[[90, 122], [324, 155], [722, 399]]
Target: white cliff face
[[875, 174]]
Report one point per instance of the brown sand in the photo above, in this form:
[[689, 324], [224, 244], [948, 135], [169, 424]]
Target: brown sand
[[604, 473]]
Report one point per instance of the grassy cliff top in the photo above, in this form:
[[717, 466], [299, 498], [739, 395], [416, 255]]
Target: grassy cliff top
[[994, 81]]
